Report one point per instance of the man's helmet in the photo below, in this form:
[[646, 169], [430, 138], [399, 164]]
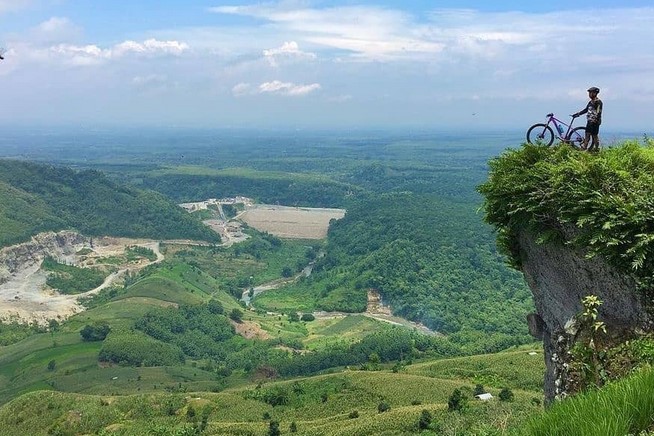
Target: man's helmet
[[593, 89]]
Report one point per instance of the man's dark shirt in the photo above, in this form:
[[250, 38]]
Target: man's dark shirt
[[593, 111]]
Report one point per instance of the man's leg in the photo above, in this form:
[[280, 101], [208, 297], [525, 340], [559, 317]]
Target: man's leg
[[584, 146], [595, 145]]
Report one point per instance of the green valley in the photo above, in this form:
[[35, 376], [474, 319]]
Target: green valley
[[389, 325]]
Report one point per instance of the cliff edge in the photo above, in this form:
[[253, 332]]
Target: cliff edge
[[577, 224]]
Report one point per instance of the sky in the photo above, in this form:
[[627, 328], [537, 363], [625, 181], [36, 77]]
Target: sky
[[465, 65]]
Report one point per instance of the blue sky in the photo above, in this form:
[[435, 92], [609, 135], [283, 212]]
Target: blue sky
[[326, 64]]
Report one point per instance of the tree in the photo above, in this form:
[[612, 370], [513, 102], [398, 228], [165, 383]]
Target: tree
[[479, 389], [53, 325], [51, 365], [506, 394], [374, 361], [307, 317], [190, 413], [457, 401], [236, 315], [273, 429], [293, 316], [97, 331], [214, 306], [287, 272], [383, 407], [425, 419], [293, 427]]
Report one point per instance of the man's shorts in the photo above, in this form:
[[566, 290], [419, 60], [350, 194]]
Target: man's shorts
[[592, 128]]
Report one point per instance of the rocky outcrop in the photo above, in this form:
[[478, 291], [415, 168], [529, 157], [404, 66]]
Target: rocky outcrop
[[61, 245], [559, 277]]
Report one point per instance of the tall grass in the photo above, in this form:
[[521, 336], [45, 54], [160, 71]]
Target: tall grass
[[620, 408]]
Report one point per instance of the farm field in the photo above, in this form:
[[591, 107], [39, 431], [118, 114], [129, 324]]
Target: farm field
[[343, 403], [291, 222]]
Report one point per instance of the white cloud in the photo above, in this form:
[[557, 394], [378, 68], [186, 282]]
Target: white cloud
[[366, 32], [150, 46], [288, 50], [92, 54], [87, 55], [287, 88], [241, 89], [385, 62], [369, 33], [340, 98], [276, 87], [150, 79]]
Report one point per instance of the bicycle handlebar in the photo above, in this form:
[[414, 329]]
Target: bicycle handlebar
[[551, 114]]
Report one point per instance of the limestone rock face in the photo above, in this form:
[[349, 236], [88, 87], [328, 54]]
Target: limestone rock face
[[60, 245], [559, 277]]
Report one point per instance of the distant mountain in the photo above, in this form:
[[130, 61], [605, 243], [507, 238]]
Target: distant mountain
[[37, 197]]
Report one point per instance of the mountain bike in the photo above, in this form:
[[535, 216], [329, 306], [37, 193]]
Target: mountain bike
[[544, 134]]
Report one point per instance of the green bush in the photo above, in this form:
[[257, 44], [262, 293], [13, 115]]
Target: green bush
[[506, 394], [605, 197], [425, 419], [383, 407], [457, 401], [133, 349], [97, 331], [69, 279]]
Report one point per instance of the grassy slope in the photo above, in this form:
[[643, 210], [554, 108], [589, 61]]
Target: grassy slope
[[23, 365], [132, 396], [623, 407], [235, 411]]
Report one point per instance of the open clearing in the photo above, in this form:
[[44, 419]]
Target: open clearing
[[25, 296], [291, 222]]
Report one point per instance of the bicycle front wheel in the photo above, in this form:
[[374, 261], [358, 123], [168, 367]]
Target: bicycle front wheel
[[576, 137], [540, 134]]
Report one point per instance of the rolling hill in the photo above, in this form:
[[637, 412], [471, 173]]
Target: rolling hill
[[36, 198]]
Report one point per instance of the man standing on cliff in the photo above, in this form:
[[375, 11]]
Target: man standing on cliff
[[593, 113]]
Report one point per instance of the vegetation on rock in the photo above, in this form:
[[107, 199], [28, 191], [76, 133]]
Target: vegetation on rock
[[601, 203]]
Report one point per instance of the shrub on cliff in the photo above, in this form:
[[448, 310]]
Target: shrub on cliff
[[602, 203]]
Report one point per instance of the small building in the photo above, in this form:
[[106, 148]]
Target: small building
[[484, 397]]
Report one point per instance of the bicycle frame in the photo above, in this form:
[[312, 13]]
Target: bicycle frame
[[558, 131], [564, 132]]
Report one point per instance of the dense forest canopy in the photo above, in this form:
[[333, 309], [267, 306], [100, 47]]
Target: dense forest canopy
[[36, 198]]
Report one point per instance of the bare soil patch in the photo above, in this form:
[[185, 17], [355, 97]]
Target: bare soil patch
[[291, 222], [250, 330], [25, 296]]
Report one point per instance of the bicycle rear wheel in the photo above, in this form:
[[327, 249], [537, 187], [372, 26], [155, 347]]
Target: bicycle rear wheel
[[540, 134], [576, 137]]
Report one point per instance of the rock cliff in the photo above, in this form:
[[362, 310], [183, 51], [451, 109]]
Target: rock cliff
[[61, 245], [559, 277]]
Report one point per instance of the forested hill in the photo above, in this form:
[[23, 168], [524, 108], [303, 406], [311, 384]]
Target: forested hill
[[36, 198], [432, 262]]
